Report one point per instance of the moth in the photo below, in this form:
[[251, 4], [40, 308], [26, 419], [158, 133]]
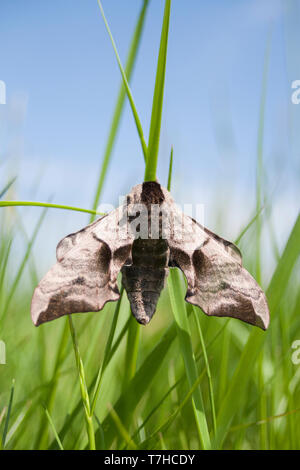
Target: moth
[[142, 238]]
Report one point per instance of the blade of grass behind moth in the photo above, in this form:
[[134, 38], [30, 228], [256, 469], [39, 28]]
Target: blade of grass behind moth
[[183, 331], [162, 442], [71, 417], [102, 442], [31, 262], [152, 439], [132, 347], [48, 205], [83, 388], [208, 373], [6, 188], [130, 362], [259, 185], [138, 386], [172, 331], [151, 163], [23, 264], [120, 104], [51, 392], [2, 414], [8, 414], [109, 310], [106, 353], [262, 408], [54, 429], [224, 367], [267, 419], [285, 334], [272, 235], [284, 267], [170, 170], [259, 164], [237, 386], [157, 104], [249, 224], [17, 424], [126, 85], [174, 386], [156, 407], [105, 321], [5, 251], [187, 350], [256, 339], [122, 429]]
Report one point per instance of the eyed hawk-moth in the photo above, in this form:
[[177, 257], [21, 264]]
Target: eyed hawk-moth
[[141, 239]]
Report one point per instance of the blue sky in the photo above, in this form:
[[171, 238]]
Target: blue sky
[[62, 81]]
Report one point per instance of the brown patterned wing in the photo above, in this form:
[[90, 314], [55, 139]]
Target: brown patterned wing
[[85, 275], [217, 281]]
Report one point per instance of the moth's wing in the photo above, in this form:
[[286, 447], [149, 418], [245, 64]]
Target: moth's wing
[[85, 275], [217, 281]]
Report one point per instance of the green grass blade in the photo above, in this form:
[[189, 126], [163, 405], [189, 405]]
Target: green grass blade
[[181, 319], [51, 392], [207, 367], [17, 423], [102, 439], [132, 347], [83, 387], [284, 268], [176, 296], [170, 170], [77, 407], [249, 224], [120, 104], [163, 427], [130, 361], [157, 406], [48, 205], [175, 385], [140, 383], [23, 263], [6, 188], [4, 262], [244, 369], [157, 104], [5, 431], [259, 164], [263, 421], [122, 429], [235, 393], [107, 351], [126, 85], [54, 429]]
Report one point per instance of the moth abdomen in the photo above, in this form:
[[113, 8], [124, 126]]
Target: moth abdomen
[[145, 278], [141, 278], [143, 286]]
